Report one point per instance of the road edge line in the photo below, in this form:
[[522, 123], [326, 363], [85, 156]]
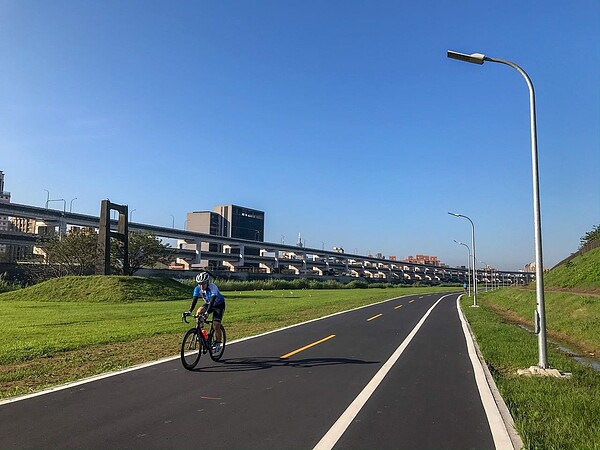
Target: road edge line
[[499, 418]]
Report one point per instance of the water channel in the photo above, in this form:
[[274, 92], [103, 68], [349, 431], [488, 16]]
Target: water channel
[[585, 360]]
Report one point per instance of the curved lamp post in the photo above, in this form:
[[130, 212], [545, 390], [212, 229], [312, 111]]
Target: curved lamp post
[[468, 264], [540, 323], [472, 255]]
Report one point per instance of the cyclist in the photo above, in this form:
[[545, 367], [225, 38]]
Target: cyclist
[[214, 303]]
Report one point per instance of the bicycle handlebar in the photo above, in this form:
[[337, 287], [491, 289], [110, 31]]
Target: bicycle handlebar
[[186, 314]]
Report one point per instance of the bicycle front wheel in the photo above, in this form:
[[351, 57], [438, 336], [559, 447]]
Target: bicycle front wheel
[[191, 349], [217, 352]]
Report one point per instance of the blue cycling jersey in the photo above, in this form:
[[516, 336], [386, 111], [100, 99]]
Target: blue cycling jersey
[[211, 291]]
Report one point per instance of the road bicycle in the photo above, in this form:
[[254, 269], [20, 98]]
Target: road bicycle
[[198, 341]]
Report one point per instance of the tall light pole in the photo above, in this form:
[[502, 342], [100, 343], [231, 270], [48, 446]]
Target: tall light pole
[[131, 214], [58, 200], [71, 204], [478, 58], [173, 222], [47, 197], [62, 226], [468, 264], [472, 255], [486, 268]]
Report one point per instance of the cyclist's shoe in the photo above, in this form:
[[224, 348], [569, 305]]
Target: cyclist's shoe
[[216, 347]]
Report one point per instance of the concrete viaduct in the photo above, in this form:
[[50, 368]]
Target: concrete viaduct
[[272, 257]]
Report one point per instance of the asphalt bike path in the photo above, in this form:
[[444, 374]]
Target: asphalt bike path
[[429, 398], [287, 389]]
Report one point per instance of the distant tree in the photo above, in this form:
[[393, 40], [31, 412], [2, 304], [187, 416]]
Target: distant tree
[[71, 254], [76, 253], [590, 236], [145, 250]]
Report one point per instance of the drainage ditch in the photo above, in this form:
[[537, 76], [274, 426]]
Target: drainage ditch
[[585, 360]]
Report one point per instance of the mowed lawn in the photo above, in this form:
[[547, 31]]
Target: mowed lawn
[[51, 342]]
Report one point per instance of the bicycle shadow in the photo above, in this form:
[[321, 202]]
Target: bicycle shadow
[[268, 362]]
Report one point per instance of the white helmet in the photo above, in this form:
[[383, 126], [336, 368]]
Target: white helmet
[[202, 278]]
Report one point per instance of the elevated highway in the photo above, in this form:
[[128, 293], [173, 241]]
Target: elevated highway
[[271, 257]]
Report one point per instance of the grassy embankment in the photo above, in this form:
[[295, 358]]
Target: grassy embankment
[[74, 327], [549, 413]]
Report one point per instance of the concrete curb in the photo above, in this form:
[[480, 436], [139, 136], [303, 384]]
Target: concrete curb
[[517, 442]]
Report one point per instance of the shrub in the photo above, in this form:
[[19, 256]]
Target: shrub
[[7, 286], [356, 284]]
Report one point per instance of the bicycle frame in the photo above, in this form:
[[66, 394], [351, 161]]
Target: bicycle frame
[[200, 344], [206, 342]]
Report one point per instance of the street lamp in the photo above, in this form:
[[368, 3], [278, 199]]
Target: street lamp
[[173, 222], [58, 200], [472, 255], [71, 204], [47, 197], [468, 264], [540, 323], [131, 214], [487, 268]]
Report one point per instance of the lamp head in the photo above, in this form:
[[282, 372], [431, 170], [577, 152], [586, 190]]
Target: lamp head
[[474, 58]]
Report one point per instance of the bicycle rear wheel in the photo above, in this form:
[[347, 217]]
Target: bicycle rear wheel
[[191, 349], [216, 355]]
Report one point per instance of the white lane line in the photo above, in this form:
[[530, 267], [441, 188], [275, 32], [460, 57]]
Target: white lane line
[[498, 428], [339, 427]]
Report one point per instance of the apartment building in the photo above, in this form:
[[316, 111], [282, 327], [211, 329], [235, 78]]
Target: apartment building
[[12, 253], [424, 259]]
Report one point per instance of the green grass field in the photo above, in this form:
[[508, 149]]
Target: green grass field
[[549, 413], [51, 336], [572, 318]]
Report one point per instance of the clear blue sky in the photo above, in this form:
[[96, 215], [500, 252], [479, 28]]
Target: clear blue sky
[[342, 120]]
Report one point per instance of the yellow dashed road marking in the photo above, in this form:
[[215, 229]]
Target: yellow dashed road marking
[[287, 355]]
